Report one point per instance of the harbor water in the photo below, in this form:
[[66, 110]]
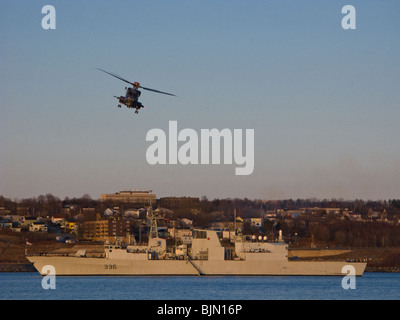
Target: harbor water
[[28, 286]]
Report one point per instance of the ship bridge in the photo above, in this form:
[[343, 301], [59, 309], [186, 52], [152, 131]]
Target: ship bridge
[[207, 246]]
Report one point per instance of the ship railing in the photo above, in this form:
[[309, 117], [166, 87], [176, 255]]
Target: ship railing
[[257, 250], [51, 254], [136, 250]]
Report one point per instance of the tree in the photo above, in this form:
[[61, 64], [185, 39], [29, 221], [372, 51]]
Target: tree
[[340, 237]]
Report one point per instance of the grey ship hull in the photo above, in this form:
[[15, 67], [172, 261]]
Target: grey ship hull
[[82, 266]]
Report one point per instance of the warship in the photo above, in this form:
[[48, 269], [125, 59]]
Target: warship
[[205, 256]]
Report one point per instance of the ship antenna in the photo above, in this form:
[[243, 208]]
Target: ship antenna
[[234, 222]]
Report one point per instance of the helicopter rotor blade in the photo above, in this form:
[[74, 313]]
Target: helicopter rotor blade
[[170, 94], [133, 84], [116, 76]]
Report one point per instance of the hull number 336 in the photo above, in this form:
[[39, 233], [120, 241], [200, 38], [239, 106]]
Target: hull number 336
[[110, 266]]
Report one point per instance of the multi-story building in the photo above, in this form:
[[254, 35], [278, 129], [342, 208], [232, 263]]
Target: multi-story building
[[106, 230], [119, 228], [138, 198], [94, 230]]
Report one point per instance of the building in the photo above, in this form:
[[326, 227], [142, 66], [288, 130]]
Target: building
[[38, 227], [4, 211], [58, 219], [28, 221], [119, 228], [179, 202], [94, 230], [5, 224], [70, 226], [256, 222], [139, 198], [106, 230]]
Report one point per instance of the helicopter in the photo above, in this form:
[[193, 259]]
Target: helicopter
[[131, 99]]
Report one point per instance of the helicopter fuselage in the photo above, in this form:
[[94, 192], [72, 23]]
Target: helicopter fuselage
[[130, 102]]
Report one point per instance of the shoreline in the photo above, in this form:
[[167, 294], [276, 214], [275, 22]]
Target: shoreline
[[382, 269], [16, 267]]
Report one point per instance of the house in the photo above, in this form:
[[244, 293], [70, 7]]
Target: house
[[5, 224], [16, 227], [70, 226], [355, 216], [133, 213], [332, 210], [270, 214], [294, 213], [109, 212], [4, 211], [58, 219], [28, 221], [38, 227], [13, 218], [256, 222], [186, 222]]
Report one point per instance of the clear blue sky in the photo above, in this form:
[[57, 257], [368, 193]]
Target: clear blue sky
[[323, 101]]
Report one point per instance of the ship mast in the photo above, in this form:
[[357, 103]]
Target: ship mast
[[153, 217], [234, 222]]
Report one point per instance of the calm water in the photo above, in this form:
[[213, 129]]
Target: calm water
[[373, 286]]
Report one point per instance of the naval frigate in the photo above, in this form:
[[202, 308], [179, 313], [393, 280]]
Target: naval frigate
[[205, 257]]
